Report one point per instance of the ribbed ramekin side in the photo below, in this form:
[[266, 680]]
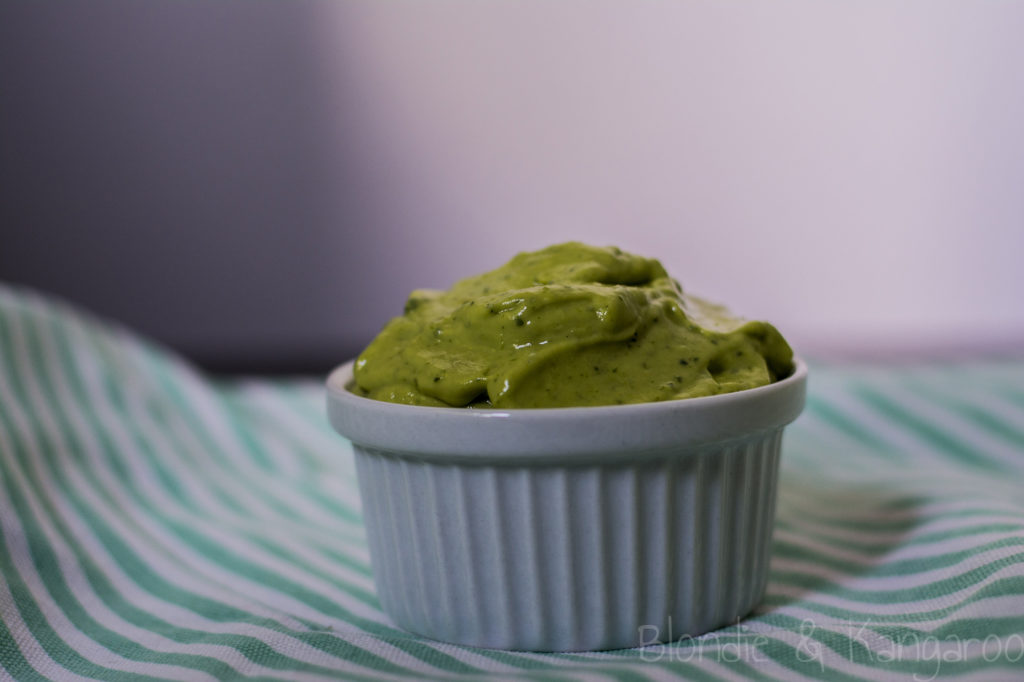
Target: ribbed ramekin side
[[766, 512], [571, 557], [741, 484]]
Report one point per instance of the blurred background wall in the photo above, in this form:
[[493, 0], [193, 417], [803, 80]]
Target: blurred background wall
[[259, 185]]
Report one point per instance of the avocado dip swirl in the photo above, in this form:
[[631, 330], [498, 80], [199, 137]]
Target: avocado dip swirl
[[569, 325]]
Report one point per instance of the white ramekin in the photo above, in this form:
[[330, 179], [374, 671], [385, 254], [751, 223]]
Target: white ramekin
[[569, 529]]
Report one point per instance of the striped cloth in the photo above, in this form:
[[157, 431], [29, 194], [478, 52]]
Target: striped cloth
[[157, 524]]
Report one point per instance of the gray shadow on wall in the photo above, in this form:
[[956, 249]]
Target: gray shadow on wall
[[182, 167]]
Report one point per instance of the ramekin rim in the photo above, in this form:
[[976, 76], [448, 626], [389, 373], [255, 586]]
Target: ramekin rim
[[337, 389]]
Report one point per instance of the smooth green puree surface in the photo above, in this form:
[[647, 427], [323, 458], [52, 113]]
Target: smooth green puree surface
[[569, 325]]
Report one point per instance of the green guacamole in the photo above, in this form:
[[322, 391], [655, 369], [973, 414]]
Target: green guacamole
[[569, 325]]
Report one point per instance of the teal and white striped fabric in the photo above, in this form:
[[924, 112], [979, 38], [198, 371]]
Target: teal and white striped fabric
[[155, 524]]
